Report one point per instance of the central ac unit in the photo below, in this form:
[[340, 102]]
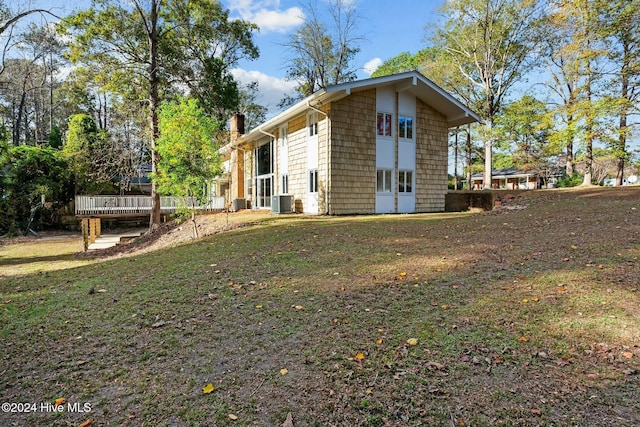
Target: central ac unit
[[238, 204], [282, 203]]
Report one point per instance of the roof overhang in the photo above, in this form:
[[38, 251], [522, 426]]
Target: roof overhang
[[455, 113]]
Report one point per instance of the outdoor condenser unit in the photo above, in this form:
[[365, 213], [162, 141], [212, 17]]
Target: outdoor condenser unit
[[282, 203], [238, 204]]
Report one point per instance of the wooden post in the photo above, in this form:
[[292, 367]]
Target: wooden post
[[98, 227], [85, 232], [92, 230]]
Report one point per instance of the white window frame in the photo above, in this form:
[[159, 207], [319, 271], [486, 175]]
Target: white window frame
[[387, 124], [403, 119], [405, 176], [313, 181], [312, 124], [387, 180], [284, 183]]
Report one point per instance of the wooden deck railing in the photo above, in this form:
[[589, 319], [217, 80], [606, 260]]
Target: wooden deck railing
[[136, 205]]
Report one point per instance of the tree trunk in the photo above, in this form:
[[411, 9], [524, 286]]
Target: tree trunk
[[622, 137], [468, 147], [622, 142], [569, 166], [455, 162], [16, 128], [154, 220], [488, 151]]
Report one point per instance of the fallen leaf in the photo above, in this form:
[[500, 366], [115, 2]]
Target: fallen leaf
[[434, 366], [535, 299], [284, 371], [207, 389], [60, 401], [289, 421], [536, 411], [445, 307], [259, 306], [524, 339], [379, 341], [87, 423], [412, 341], [525, 300], [81, 362], [455, 286], [359, 356], [102, 291], [298, 307], [627, 355], [233, 417], [563, 361]]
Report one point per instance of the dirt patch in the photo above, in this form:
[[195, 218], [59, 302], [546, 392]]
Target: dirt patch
[[175, 233]]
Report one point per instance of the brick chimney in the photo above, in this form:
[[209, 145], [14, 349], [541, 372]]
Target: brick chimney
[[237, 126]]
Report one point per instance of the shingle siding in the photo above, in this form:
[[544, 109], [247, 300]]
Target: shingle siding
[[353, 154], [431, 159]]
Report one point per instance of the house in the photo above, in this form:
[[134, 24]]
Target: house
[[508, 179], [377, 145]]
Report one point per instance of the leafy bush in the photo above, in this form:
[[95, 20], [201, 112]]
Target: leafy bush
[[570, 180]]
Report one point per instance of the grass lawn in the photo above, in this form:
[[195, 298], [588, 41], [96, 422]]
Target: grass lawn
[[526, 316]]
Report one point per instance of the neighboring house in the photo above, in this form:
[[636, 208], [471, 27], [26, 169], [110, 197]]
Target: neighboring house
[[508, 179], [142, 180], [370, 146]]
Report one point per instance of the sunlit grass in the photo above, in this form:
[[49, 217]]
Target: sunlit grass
[[505, 322]]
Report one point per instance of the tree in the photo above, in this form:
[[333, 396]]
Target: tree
[[254, 113], [141, 51], [421, 61], [323, 51], [9, 19], [489, 42], [523, 129], [79, 149], [189, 157], [581, 26], [622, 20], [31, 174]]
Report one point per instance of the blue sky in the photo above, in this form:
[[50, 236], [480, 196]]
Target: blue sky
[[387, 29]]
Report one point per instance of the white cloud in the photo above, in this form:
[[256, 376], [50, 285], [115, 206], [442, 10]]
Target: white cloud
[[268, 15], [271, 90], [372, 65]]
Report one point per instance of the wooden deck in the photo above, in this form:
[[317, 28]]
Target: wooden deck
[[128, 206]]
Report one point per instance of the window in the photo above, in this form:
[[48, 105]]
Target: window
[[384, 124], [313, 124], [313, 181], [264, 163], [405, 127], [284, 180], [405, 181], [383, 181]]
